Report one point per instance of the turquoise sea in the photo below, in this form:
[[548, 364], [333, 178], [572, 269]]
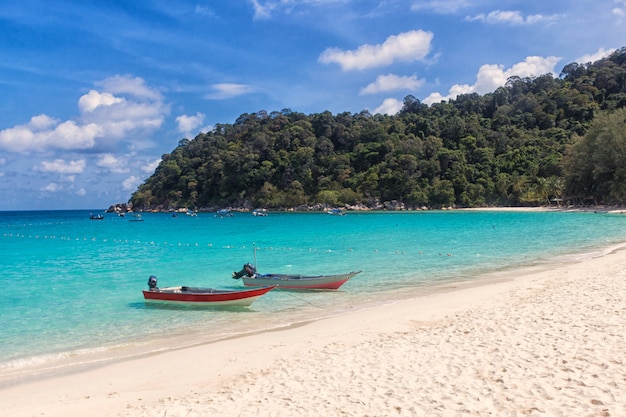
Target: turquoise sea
[[71, 286]]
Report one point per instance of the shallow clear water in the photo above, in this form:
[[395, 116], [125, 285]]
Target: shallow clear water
[[72, 286]]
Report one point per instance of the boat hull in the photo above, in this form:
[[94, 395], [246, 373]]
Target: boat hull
[[204, 296], [299, 282]]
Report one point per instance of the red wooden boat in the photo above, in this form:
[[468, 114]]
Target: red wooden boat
[[195, 296]]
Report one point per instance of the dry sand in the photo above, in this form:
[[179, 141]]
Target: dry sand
[[548, 343]]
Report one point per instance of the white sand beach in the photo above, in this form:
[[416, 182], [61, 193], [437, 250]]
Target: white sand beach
[[549, 343]]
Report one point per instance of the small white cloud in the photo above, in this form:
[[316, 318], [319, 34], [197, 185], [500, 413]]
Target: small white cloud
[[59, 166], [150, 167], [599, 54], [207, 128], [131, 183], [490, 77], [392, 82], [264, 9], [261, 11], [512, 17], [128, 85], [51, 188], [90, 101], [439, 6], [113, 164], [620, 10], [389, 106], [41, 122], [70, 135], [408, 46], [204, 11], [187, 124], [81, 192], [228, 90]]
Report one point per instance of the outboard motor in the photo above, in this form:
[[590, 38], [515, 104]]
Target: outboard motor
[[152, 282], [248, 269]]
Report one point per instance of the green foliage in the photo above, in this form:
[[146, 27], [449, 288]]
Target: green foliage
[[535, 141], [595, 164]]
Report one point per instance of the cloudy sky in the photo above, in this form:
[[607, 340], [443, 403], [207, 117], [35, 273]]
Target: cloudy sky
[[92, 93]]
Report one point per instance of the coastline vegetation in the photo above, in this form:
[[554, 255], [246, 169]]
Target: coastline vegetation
[[534, 142]]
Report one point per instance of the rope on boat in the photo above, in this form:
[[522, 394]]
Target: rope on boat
[[291, 294]]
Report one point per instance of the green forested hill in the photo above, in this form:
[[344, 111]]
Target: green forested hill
[[532, 141]]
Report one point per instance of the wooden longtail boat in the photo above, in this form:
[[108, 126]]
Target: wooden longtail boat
[[251, 278], [195, 296]]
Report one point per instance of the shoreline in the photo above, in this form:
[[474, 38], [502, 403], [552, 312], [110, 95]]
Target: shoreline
[[399, 207], [76, 361], [543, 341]]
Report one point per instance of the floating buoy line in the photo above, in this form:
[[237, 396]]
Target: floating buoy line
[[198, 245]]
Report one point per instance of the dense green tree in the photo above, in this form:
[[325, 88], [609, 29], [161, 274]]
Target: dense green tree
[[595, 164], [534, 141]]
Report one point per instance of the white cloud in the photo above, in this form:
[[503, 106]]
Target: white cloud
[[490, 77], [392, 82], [186, 124], [81, 192], [228, 90], [92, 100], [105, 118], [59, 166], [260, 11], [42, 122], [139, 109], [113, 164], [131, 183], [408, 46], [264, 10], [126, 84], [150, 167], [620, 10], [51, 188], [204, 11], [439, 6], [206, 128], [599, 54], [70, 135], [389, 106], [512, 17], [44, 132]]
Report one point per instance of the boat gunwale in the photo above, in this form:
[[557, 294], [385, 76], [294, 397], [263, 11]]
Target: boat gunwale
[[175, 295], [300, 282]]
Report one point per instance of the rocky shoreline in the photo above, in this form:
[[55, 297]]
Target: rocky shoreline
[[376, 206]]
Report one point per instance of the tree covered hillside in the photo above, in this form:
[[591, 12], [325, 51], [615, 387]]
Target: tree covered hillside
[[530, 142]]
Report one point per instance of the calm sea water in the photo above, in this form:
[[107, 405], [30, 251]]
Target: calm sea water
[[71, 287]]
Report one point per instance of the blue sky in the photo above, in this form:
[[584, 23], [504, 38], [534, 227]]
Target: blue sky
[[92, 93]]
